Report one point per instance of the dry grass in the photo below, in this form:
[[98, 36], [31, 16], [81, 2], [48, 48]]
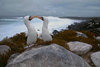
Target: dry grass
[[61, 43], [70, 35], [89, 34], [66, 35], [56, 41], [16, 43], [19, 39]]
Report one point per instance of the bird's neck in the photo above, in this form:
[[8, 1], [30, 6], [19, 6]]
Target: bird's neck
[[45, 25], [28, 25]]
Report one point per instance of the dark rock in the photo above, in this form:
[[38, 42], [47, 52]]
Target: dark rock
[[55, 32], [91, 25]]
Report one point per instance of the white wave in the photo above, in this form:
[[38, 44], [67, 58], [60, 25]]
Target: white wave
[[55, 23], [12, 19]]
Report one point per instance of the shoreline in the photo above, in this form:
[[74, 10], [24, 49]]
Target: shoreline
[[73, 18], [55, 23], [81, 18]]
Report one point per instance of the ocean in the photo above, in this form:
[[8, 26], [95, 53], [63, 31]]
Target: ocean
[[10, 27]]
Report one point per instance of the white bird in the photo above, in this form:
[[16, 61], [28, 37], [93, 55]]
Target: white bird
[[32, 34], [45, 33]]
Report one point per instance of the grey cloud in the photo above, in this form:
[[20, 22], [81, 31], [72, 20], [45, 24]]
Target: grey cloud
[[50, 7]]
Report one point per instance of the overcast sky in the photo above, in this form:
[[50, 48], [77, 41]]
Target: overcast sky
[[50, 7]]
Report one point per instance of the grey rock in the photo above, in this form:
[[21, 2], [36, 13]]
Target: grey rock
[[79, 34], [48, 56], [95, 57], [4, 49], [55, 32], [12, 57], [79, 48], [98, 38], [98, 29]]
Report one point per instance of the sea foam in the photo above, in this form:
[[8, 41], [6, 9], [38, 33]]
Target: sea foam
[[10, 27]]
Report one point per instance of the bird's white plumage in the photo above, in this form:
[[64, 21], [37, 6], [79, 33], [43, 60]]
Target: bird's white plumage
[[32, 34], [45, 33]]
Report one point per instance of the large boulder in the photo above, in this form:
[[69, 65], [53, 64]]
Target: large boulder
[[96, 58], [48, 56], [4, 49], [12, 57], [79, 48]]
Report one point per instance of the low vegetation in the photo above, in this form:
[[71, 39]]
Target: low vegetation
[[18, 42]]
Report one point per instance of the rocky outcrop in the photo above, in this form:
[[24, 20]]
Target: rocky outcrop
[[48, 56], [96, 58], [4, 49], [79, 34], [79, 48], [92, 25]]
